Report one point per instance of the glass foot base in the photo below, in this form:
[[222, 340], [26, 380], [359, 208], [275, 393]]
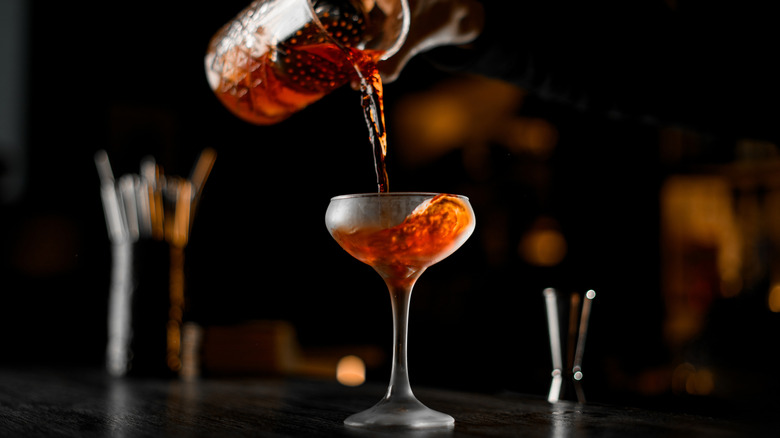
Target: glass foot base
[[408, 414]]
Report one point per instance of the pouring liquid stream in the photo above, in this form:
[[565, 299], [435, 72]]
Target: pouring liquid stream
[[372, 102], [267, 87]]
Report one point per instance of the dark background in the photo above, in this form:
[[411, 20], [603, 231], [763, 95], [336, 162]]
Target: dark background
[[128, 78]]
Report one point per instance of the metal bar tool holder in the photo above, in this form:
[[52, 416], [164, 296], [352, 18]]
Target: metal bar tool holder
[[569, 376], [148, 214]]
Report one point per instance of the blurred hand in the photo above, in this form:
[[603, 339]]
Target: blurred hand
[[435, 23]]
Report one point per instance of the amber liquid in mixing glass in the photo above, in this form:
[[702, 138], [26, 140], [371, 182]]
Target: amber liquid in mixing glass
[[268, 88]]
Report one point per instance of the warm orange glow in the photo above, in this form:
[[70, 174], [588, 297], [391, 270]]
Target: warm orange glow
[[687, 378], [351, 371], [703, 251], [543, 245], [469, 113], [680, 376], [435, 123], [702, 382], [774, 299], [532, 135]]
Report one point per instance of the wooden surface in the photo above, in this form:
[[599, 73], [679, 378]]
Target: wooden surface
[[88, 403]]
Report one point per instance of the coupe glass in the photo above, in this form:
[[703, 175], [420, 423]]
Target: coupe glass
[[400, 234]]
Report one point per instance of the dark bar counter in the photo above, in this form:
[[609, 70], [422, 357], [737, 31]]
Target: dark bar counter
[[90, 403]]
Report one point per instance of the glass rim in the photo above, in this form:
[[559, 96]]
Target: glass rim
[[398, 194]]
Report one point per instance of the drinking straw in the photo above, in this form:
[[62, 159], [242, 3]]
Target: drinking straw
[[152, 175], [121, 289], [144, 211], [182, 213], [110, 197], [126, 186], [555, 343], [201, 170], [198, 176], [552, 323], [586, 305], [574, 304]]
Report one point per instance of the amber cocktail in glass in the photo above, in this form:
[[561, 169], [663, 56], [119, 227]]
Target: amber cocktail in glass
[[400, 234]]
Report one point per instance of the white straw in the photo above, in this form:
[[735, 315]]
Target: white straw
[[552, 323], [112, 207]]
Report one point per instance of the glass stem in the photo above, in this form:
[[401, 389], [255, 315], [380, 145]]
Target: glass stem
[[399, 387]]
